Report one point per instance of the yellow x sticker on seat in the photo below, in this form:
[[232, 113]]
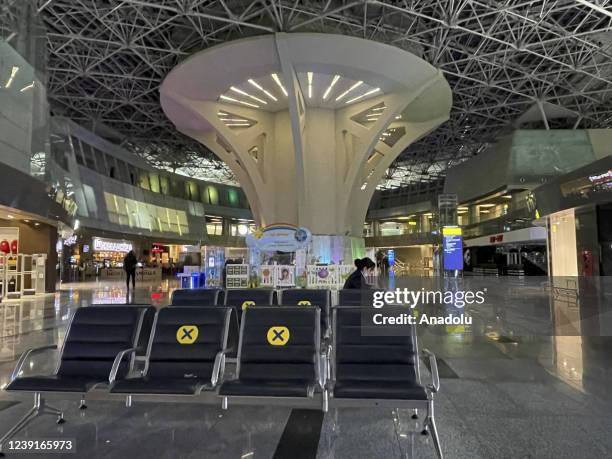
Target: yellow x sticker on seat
[[304, 303], [247, 303], [278, 335], [187, 334]]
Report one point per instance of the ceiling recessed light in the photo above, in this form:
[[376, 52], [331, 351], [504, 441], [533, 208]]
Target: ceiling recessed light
[[356, 85], [14, 71], [10, 216], [365, 94], [280, 85], [244, 93], [258, 86], [309, 74], [328, 90], [231, 99]]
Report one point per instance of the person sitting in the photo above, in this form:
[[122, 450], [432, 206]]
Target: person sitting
[[357, 279]]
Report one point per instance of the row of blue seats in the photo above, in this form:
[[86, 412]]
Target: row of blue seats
[[279, 360]]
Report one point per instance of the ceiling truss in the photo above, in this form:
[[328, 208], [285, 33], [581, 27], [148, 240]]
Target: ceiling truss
[[107, 59]]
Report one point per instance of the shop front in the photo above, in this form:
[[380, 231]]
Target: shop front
[[515, 253]]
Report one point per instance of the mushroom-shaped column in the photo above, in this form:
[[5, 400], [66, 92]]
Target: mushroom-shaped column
[[308, 123]]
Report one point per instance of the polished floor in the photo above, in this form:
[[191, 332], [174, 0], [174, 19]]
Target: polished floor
[[515, 384]]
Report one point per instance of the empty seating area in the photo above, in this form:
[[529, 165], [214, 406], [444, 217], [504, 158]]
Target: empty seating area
[[193, 351]]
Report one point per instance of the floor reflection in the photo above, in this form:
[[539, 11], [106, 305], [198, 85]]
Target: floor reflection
[[529, 378]]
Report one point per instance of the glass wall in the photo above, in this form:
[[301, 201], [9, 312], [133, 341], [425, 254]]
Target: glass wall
[[23, 114]]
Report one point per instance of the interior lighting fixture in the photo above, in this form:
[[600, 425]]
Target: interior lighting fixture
[[25, 88], [309, 74], [398, 117], [329, 88], [231, 99], [487, 205], [238, 124], [462, 208], [258, 86], [365, 94], [280, 85], [355, 86], [14, 71], [234, 120], [375, 109], [244, 93]]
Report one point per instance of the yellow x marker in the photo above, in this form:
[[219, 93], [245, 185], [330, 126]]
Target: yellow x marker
[[187, 334], [278, 336], [247, 303]]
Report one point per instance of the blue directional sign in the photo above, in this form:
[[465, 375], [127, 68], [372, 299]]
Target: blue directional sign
[[452, 245]]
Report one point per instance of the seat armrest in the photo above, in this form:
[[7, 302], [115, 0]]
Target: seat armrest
[[433, 364], [117, 362], [324, 366], [219, 366], [25, 355]]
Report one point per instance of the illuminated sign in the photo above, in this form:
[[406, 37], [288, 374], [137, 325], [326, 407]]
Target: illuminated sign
[[452, 243], [391, 257], [601, 178], [70, 240], [110, 245]]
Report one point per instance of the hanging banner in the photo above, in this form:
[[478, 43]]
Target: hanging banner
[[280, 237]]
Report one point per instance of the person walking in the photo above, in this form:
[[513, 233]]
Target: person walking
[[129, 265]]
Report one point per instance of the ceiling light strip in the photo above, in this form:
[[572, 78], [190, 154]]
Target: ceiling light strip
[[328, 90], [355, 86], [231, 99], [14, 71], [244, 93], [309, 74], [280, 85], [365, 94], [258, 86]]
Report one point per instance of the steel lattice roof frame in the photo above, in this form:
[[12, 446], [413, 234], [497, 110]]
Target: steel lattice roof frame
[[107, 59]]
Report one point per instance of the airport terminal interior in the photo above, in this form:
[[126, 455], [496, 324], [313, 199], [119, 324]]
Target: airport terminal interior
[[305, 229]]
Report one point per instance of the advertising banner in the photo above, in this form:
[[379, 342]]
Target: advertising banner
[[280, 237]]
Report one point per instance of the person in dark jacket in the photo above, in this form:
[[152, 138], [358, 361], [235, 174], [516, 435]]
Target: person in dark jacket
[[129, 265], [357, 279]]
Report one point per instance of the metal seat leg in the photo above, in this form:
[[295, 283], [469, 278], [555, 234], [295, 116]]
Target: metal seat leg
[[429, 426], [39, 408]]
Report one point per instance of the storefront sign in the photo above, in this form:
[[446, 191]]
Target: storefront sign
[[70, 240], [111, 245], [279, 237], [452, 243]]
